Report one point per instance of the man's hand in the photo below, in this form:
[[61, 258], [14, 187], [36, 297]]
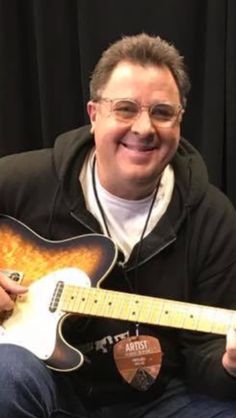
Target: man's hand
[[9, 289], [229, 357]]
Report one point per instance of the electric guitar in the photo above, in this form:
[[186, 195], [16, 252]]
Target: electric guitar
[[65, 278]]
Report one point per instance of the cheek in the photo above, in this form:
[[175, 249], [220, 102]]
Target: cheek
[[172, 138], [108, 133], [104, 141], [170, 144]]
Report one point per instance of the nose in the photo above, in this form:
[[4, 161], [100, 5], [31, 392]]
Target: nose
[[142, 124]]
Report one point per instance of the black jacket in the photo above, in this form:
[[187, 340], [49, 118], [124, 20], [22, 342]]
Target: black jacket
[[189, 256]]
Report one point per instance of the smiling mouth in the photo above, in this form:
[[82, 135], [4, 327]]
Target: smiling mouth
[[139, 147]]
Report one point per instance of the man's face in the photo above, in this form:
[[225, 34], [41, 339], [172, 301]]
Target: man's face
[[131, 155]]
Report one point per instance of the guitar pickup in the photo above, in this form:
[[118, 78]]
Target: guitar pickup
[[14, 275]]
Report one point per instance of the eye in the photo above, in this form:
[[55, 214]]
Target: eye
[[163, 111], [125, 109]]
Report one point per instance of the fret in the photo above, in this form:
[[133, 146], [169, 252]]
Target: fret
[[206, 319], [172, 313], [65, 299], [145, 309], [117, 300], [233, 319], [191, 317], [134, 308], [80, 304], [223, 321], [156, 310], [108, 304], [94, 303], [91, 301], [129, 311], [83, 304], [72, 296], [80, 300], [182, 317]]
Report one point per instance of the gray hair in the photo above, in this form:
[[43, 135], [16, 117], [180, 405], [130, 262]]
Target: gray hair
[[144, 50]]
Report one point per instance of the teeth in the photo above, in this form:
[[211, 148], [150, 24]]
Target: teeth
[[138, 147]]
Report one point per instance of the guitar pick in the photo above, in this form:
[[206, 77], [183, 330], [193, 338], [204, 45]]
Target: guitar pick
[[138, 359]]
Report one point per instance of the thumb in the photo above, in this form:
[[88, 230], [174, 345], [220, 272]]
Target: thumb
[[10, 285]]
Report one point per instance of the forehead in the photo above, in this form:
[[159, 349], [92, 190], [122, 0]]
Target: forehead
[[134, 80]]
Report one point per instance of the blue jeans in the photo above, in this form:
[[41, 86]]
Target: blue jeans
[[29, 389]]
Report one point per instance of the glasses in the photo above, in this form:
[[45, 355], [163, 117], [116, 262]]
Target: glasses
[[161, 114]]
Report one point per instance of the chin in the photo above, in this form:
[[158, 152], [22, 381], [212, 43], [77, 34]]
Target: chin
[[142, 180], [145, 174]]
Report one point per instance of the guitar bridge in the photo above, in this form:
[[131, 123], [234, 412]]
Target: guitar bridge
[[14, 275]]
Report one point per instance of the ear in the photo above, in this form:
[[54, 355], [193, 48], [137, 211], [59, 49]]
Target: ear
[[181, 115], [92, 112]]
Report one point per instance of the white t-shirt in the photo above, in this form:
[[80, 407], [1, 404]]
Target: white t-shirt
[[125, 218]]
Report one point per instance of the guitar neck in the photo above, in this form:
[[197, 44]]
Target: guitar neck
[[144, 309]]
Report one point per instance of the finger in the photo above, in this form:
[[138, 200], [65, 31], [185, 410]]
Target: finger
[[229, 357], [231, 342], [6, 303], [10, 286]]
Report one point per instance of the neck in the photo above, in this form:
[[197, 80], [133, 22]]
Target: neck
[[130, 190], [131, 194]]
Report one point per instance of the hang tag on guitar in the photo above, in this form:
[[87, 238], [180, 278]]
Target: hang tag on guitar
[[138, 359]]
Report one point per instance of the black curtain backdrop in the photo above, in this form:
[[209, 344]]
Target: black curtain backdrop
[[48, 49]]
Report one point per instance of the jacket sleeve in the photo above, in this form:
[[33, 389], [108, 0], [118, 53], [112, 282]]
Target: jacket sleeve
[[212, 259]]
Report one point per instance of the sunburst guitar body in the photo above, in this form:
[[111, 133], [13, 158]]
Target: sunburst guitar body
[[53, 272], [65, 278]]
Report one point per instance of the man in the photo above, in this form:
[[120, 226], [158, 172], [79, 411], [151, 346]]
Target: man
[[131, 177]]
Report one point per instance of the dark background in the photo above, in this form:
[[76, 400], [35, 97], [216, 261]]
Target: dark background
[[48, 49]]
